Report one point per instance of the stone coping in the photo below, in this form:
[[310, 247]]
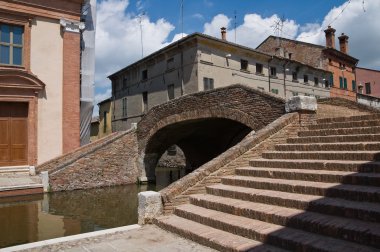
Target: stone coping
[[247, 143], [70, 238]]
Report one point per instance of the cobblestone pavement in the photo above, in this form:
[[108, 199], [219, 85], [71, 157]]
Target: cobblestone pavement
[[147, 238]]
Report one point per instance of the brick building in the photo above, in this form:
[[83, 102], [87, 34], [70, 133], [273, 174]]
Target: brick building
[[39, 79], [338, 62], [368, 81], [199, 62]]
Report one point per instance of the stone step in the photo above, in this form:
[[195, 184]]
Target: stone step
[[349, 118], [22, 169], [369, 179], [331, 165], [347, 146], [334, 190], [366, 211], [343, 131], [284, 237], [352, 124], [335, 139], [337, 227], [324, 155], [211, 237]]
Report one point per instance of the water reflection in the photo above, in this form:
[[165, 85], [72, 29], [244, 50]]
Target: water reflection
[[39, 217]]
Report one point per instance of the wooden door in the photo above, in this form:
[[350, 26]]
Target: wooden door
[[13, 133]]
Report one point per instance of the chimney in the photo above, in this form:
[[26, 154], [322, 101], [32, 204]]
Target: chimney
[[343, 43], [224, 33], [330, 37]]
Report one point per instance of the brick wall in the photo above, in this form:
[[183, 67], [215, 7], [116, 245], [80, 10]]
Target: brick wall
[[339, 107], [251, 107], [71, 92], [113, 164]]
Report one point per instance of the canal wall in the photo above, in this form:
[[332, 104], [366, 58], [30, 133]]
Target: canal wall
[[106, 162]]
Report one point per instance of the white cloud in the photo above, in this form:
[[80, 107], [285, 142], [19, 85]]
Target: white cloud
[[362, 28], [213, 28], [178, 37], [253, 31], [118, 38]]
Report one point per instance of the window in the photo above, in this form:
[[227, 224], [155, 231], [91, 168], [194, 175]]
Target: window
[[259, 68], [306, 78], [294, 93], [208, 83], [144, 74], [354, 85], [368, 88], [124, 107], [274, 91], [104, 121], [244, 65], [170, 64], [345, 83], [273, 71], [331, 80], [316, 81], [11, 44], [326, 83], [294, 76], [170, 92], [145, 102], [340, 82], [290, 55]]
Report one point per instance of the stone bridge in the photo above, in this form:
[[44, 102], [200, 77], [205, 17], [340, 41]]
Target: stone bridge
[[203, 125]]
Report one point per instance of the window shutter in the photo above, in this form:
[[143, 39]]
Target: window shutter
[[340, 82], [345, 83]]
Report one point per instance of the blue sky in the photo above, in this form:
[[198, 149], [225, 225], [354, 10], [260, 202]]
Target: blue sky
[[118, 29]]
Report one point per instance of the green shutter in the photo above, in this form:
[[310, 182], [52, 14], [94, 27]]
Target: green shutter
[[353, 85], [340, 82], [331, 80], [345, 83]]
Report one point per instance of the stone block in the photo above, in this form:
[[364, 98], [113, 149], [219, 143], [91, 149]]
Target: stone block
[[301, 103], [150, 206], [32, 171], [45, 180]]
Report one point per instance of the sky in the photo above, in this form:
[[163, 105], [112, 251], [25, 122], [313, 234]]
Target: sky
[[118, 31]]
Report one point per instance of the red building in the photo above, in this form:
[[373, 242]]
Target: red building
[[368, 81]]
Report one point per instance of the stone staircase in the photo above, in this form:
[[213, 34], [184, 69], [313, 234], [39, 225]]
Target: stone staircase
[[318, 192], [19, 180]]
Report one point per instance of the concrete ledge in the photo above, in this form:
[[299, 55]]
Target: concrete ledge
[[34, 245], [301, 103], [150, 206], [45, 180]]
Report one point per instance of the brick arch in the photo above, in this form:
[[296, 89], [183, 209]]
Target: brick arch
[[236, 105]]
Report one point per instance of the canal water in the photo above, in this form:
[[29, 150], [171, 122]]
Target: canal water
[[45, 216]]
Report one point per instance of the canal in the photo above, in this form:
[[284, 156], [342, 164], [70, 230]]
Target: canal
[[45, 216]]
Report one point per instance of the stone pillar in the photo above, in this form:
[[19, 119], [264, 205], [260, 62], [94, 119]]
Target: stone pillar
[[150, 206], [306, 106]]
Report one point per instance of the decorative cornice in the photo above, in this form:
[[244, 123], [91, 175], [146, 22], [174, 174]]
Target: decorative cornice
[[19, 78], [71, 26]]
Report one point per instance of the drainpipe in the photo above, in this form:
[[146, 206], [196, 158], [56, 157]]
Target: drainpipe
[[284, 67], [269, 72]]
